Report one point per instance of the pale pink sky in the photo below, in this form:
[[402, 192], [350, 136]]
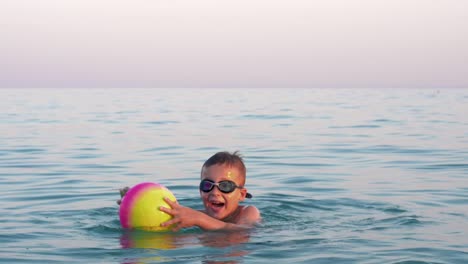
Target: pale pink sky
[[242, 43]]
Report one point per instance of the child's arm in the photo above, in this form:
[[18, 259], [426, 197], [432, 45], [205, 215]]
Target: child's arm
[[187, 217]]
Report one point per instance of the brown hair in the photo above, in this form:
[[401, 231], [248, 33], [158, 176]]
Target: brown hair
[[226, 158]]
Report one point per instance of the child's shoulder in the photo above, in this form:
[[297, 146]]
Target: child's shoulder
[[250, 213]]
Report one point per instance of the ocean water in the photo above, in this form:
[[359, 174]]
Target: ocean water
[[339, 175]]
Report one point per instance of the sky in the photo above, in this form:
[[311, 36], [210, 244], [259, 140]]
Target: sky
[[238, 43]]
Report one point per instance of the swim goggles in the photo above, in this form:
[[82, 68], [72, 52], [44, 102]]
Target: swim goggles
[[223, 186]]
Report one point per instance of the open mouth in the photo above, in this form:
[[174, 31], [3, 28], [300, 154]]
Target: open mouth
[[216, 204]]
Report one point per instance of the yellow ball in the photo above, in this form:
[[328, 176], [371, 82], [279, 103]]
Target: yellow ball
[[139, 208]]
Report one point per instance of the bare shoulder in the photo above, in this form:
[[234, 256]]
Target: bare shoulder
[[250, 214]]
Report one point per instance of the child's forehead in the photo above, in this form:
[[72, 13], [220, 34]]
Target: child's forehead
[[221, 170]]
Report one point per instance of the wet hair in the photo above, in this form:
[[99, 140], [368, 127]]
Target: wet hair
[[226, 158]]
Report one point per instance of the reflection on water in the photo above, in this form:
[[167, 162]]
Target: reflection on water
[[153, 240], [138, 239]]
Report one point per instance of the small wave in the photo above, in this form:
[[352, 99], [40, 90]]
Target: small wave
[[444, 166], [103, 229], [161, 122], [159, 149], [397, 222], [267, 116]]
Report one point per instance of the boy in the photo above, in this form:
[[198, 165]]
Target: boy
[[221, 189]]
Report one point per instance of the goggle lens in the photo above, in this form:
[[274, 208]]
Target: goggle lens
[[223, 186]]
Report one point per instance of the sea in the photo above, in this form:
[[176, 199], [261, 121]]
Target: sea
[[339, 175]]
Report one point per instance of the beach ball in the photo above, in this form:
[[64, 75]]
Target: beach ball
[[139, 208]]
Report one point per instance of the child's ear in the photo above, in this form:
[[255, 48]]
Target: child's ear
[[243, 194]]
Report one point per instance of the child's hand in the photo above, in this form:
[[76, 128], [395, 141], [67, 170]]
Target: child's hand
[[122, 191], [182, 216]]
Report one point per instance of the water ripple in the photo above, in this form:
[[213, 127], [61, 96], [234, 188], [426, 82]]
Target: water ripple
[[340, 176]]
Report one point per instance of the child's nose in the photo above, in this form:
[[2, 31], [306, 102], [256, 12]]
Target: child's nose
[[216, 190]]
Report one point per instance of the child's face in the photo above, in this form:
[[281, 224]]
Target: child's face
[[218, 204]]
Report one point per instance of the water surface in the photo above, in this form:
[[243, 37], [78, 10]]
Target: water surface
[[340, 176]]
